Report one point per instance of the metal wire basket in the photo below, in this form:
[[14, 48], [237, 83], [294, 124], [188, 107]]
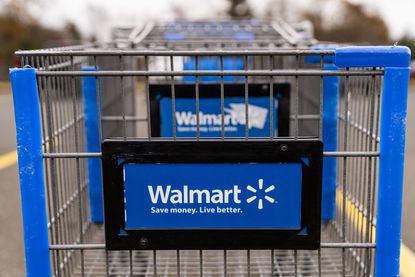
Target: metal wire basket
[[68, 100]]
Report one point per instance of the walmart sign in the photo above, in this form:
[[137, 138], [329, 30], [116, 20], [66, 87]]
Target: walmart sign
[[213, 196], [210, 117]]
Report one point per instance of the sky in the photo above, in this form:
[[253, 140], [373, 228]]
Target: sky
[[98, 16]]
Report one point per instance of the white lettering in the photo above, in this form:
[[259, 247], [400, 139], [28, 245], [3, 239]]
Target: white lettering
[[159, 191], [235, 115], [185, 195]]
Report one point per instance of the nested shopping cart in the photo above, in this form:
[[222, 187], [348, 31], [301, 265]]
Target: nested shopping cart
[[244, 90]]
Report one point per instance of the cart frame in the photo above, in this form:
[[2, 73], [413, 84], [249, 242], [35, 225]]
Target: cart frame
[[391, 62]]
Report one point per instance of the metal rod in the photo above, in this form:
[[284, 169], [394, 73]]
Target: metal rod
[[197, 107], [246, 99], [173, 104], [352, 154], [344, 177], [306, 117], [99, 154], [296, 99], [300, 72], [295, 263], [271, 99], [178, 263], [147, 95], [369, 199], [321, 97], [123, 105], [84, 53], [100, 246], [222, 100], [127, 118], [53, 175], [347, 245], [72, 155]]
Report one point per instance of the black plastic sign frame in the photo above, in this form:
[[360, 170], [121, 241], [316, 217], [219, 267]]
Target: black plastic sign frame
[[254, 151]]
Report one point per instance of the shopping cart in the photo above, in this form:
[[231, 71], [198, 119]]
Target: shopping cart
[[69, 100]]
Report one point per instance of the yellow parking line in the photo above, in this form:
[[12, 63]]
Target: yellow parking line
[[8, 159], [407, 261]]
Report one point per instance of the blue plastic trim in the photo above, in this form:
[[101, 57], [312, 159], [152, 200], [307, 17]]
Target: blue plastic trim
[[372, 56], [29, 149], [330, 125], [174, 36], [391, 168], [316, 59], [93, 144], [244, 36]]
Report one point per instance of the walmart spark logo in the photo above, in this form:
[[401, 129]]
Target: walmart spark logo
[[260, 200]]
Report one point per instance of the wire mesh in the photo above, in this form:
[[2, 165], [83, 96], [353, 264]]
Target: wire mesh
[[123, 78]]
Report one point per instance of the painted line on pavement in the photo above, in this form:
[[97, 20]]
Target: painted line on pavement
[[353, 214], [8, 159]]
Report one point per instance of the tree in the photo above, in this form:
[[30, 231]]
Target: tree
[[276, 9], [98, 20], [239, 9], [72, 32], [353, 24], [19, 30], [178, 11], [409, 42]]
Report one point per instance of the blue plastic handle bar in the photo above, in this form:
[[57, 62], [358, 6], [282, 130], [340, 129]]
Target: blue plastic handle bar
[[395, 60], [372, 56], [93, 144], [391, 168], [330, 127], [32, 185]]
